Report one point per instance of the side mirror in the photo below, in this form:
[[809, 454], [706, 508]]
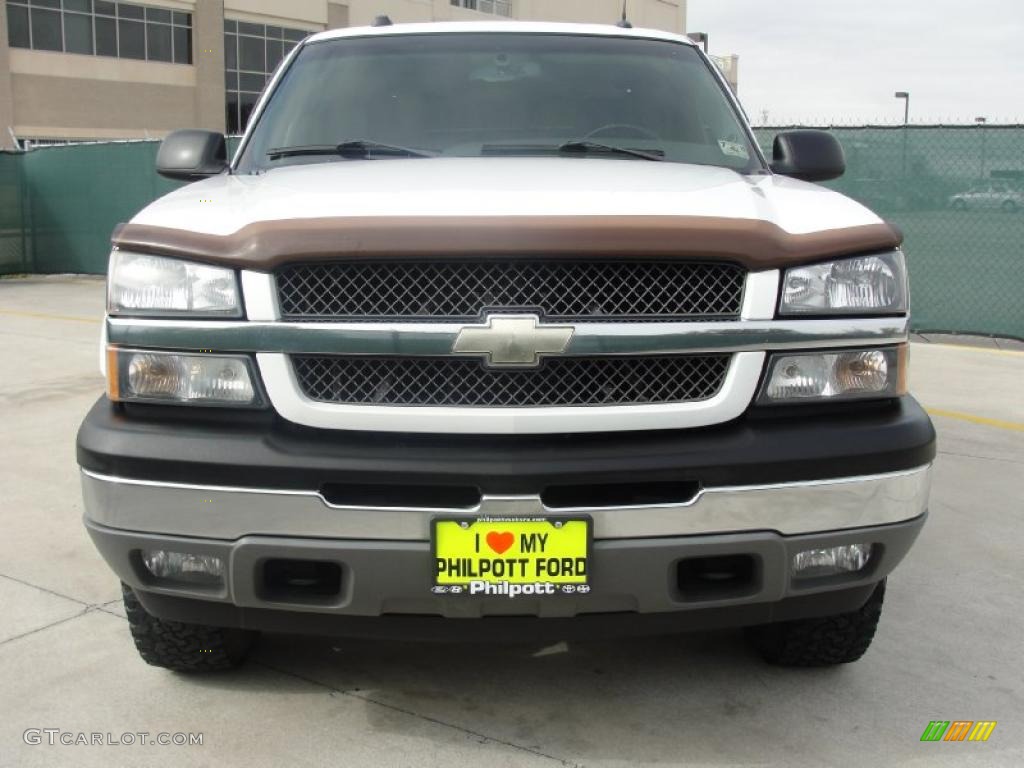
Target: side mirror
[[808, 155], [192, 155]]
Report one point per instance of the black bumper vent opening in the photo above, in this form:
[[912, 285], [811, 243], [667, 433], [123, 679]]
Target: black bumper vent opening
[[719, 577], [619, 494], [401, 496], [300, 581]]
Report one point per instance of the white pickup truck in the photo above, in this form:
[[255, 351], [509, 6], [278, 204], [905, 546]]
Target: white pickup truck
[[503, 331]]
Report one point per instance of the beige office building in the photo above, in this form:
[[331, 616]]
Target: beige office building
[[92, 69]]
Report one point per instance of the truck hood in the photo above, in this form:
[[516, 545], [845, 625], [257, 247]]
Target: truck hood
[[503, 187], [503, 207]]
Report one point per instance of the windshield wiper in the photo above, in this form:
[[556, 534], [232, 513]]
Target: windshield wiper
[[578, 146], [584, 146], [357, 148]]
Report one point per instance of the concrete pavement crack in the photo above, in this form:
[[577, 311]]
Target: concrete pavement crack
[[980, 458], [417, 715], [86, 608], [78, 615], [103, 608], [48, 591]]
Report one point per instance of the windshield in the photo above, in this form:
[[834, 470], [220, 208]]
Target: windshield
[[495, 94]]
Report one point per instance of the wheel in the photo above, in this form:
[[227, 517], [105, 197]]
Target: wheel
[[184, 647], [1009, 206], [824, 641], [958, 205]]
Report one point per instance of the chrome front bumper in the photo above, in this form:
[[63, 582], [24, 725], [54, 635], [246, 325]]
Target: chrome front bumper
[[229, 513], [384, 554]]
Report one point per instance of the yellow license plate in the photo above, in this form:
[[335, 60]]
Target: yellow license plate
[[512, 556]]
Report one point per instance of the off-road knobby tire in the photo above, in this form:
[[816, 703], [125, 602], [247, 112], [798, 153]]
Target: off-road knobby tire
[[821, 642], [184, 647]]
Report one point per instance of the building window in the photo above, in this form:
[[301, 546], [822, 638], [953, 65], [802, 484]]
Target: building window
[[251, 54], [499, 7], [95, 27]]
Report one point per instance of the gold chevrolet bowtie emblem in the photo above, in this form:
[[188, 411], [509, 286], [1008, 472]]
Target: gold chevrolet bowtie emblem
[[513, 340]]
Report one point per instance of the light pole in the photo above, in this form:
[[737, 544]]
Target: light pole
[[981, 126], [905, 95], [699, 37]]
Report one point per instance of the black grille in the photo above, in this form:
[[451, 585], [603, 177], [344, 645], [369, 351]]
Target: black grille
[[463, 290], [458, 381]]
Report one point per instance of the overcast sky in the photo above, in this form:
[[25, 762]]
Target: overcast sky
[[841, 60]]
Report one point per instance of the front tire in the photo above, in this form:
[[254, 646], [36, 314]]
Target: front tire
[[821, 642], [184, 647]]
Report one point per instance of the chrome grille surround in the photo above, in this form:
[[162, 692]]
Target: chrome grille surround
[[464, 290], [746, 339]]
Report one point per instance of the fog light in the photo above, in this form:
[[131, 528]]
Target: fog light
[[848, 558], [185, 567]]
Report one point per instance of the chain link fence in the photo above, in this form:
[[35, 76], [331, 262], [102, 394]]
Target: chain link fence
[[957, 192]]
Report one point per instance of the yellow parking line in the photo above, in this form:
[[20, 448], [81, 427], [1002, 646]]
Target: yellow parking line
[[967, 348], [1014, 426], [45, 316]]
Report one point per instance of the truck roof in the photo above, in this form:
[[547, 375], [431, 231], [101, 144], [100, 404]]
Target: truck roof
[[534, 27]]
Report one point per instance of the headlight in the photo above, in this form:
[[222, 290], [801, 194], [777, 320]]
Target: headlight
[[868, 285], [153, 285], [167, 377], [841, 375]]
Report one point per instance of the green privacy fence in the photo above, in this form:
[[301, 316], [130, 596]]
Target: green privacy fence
[[956, 192], [958, 195], [14, 248], [71, 198]]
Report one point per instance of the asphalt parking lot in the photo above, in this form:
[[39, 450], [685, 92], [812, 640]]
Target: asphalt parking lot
[[949, 646]]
